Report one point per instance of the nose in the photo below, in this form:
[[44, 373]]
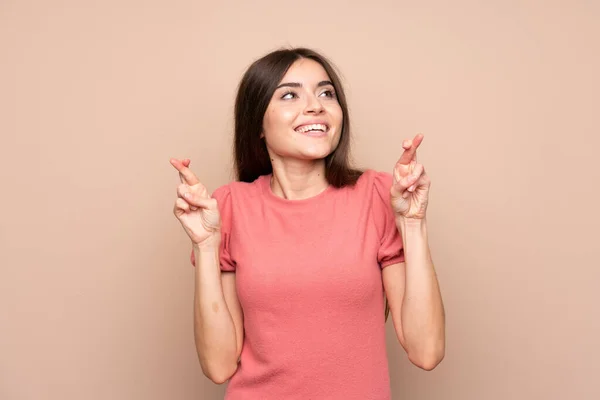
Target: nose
[[313, 105]]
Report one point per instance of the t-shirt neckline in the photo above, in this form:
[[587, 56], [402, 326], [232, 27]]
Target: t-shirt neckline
[[265, 183]]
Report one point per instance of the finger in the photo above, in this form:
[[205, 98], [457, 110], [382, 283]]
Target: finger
[[200, 202], [193, 198], [186, 163], [411, 166], [416, 175], [189, 206], [406, 182], [418, 139], [404, 191], [181, 205], [181, 191], [410, 154], [188, 176], [181, 178]]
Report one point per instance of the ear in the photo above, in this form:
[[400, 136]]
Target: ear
[[262, 134]]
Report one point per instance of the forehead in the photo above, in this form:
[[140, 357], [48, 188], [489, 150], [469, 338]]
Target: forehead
[[305, 71]]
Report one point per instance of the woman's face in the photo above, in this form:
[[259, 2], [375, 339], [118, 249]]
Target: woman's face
[[303, 119]]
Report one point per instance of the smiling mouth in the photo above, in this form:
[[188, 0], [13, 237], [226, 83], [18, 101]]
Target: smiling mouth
[[313, 128]]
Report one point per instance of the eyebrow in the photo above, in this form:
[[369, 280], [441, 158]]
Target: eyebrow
[[296, 84]]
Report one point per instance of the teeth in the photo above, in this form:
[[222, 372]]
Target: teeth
[[313, 127]]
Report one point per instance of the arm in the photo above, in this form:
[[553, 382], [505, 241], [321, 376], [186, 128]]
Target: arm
[[218, 320], [414, 297], [414, 294]]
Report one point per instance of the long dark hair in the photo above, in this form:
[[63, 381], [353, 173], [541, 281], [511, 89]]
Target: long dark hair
[[253, 97]]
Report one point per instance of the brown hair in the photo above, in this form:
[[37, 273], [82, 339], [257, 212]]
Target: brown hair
[[253, 97]]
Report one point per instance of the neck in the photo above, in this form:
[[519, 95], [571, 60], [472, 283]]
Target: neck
[[298, 179]]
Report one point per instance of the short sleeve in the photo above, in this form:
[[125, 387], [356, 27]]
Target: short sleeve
[[391, 249], [223, 197]]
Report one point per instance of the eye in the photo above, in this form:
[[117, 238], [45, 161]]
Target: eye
[[288, 95], [329, 93]]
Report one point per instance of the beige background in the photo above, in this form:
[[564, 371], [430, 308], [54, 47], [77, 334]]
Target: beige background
[[95, 97]]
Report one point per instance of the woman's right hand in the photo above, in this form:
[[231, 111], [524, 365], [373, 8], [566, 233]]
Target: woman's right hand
[[194, 208]]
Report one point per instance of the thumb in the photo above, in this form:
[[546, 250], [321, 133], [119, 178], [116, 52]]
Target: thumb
[[400, 185]]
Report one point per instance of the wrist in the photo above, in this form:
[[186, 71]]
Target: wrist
[[410, 221], [412, 228], [211, 243]]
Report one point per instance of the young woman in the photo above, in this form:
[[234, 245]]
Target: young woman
[[294, 260]]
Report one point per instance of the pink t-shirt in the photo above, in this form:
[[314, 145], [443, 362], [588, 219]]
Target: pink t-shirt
[[309, 283]]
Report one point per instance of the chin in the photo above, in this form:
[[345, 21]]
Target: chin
[[316, 151], [314, 155]]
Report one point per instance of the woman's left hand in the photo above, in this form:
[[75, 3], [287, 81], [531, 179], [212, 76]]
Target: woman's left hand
[[410, 189]]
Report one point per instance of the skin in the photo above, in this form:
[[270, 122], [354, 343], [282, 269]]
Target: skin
[[298, 163], [298, 159], [411, 287]]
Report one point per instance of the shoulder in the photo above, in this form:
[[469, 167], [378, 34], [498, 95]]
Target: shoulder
[[375, 182], [372, 190], [373, 187], [229, 192]]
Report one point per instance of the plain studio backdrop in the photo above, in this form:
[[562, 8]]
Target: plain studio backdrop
[[95, 97]]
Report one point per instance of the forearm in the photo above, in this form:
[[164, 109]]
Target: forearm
[[423, 319], [214, 330]]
